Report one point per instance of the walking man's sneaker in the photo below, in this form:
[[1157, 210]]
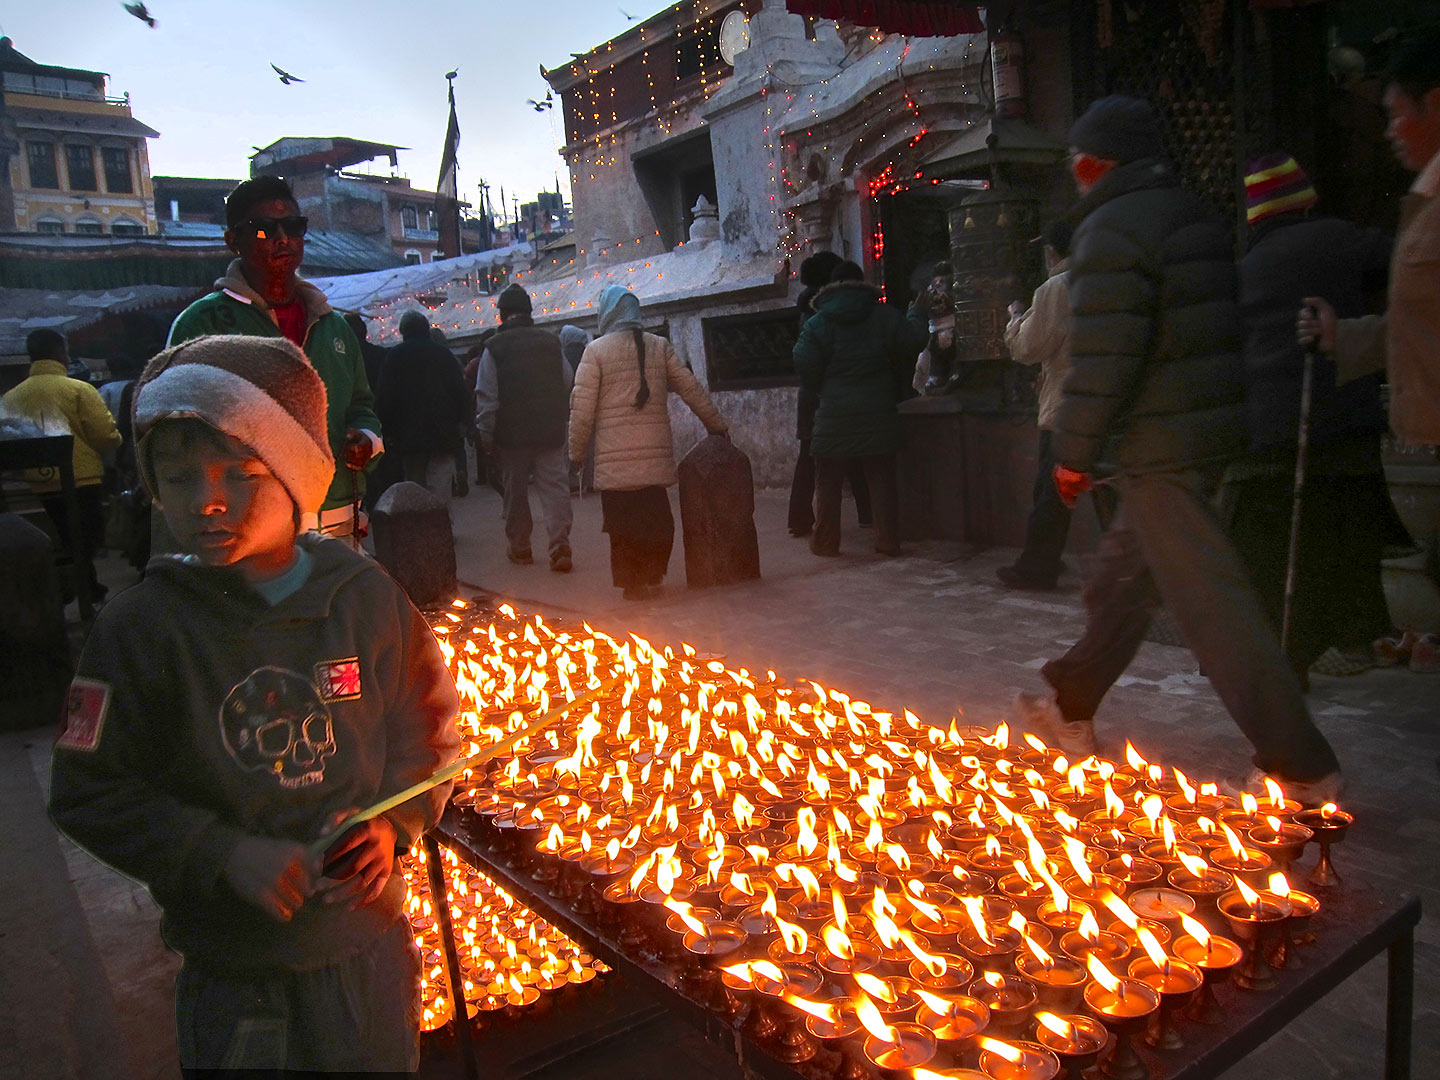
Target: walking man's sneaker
[[519, 558], [1038, 714], [1309, 794], [560, 561]]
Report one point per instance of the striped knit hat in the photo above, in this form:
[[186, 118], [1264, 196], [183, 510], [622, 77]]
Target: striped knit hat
[[259, 390], [1276, 184]]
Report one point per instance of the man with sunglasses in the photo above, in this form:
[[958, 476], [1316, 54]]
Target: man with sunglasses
[[262, 295]]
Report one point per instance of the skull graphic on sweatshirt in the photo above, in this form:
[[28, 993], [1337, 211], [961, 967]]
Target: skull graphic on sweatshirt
[[275, 722]]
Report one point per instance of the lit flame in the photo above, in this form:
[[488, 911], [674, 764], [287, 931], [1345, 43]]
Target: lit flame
[[1195, 866], [1038, 951], [1328, 810], [1234, 841], [1101, 974], [1012, 1054], [1063, 1028], [1187, 788], [876, 988], [795, 938], [1249, 803], [1279, 885], [995, 980], [975, 908], [837, 942], [684, 910], [1277, 794], [934, 1002], [821, 1011], [870, 1018], [932, 962], [1151, 944], [1250, 895], [1132, 756], [1196, 929]]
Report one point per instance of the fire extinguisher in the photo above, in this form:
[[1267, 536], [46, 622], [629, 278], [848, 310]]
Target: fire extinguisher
[[1007, 68]]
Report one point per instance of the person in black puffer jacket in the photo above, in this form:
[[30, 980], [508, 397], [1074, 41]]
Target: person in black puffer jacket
[[856, 355], [1156, 387], [815, 273], [425, 405], [1346, 514]]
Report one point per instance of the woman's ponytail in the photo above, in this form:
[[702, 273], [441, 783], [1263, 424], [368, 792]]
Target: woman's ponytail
[[643, 394]]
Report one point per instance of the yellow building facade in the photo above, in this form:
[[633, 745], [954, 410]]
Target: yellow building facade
[[82, 166]]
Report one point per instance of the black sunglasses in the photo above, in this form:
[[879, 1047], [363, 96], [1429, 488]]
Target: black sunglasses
[[294, 226]]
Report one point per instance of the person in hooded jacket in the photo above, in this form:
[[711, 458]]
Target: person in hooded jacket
[[1156, 387], [1346, 515], [856, 355], [620, 397], [424, 406], [815, 273]]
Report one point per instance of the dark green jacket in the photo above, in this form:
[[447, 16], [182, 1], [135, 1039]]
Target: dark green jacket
[[235, 308], [1157, 379], [857, 354]]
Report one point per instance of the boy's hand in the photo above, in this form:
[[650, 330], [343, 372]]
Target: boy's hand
[[362, 861], [274, 875]]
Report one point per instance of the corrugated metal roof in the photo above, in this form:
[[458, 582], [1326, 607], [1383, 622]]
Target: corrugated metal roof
[[88, 123], [328, 252]]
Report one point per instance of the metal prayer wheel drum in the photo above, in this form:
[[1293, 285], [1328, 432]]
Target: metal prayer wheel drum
[[995, 263]]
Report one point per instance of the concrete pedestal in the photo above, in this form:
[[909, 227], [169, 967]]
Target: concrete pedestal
[[414, 542], [968, 475]]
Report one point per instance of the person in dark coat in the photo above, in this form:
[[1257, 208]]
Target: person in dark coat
[[373, 354], [522, 410], [1346, 514], [815, 275], [424, 406], [1157, 388], [855, 354]]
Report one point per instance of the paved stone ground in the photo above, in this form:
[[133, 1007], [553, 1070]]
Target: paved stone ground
[[931, 631]]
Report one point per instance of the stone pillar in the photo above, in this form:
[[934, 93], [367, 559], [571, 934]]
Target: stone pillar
[[414, 542], [717, 515]]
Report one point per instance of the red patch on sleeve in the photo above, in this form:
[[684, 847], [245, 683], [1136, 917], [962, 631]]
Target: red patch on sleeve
[[88, 704], [338, 680]]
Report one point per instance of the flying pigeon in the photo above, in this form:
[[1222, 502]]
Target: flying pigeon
[[285, 76], [627, 15], [141, 12], [540, 106]]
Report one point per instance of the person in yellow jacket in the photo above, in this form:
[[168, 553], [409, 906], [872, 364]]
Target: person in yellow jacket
[[51, 398]]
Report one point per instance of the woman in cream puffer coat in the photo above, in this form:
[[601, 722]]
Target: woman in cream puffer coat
[[622, 402]]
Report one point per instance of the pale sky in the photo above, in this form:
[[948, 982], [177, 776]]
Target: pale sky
[[374, 69]]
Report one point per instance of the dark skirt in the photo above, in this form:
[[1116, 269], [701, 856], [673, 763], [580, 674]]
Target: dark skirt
[[642, 534]]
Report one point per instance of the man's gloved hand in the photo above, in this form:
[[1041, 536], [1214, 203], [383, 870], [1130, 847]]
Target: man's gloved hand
[[1071, 484], [358, 449], [277, 876]]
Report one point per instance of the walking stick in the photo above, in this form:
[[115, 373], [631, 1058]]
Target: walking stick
[[474, 760], [1302, 444]]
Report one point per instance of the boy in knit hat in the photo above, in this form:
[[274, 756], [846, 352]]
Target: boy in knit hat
[[239, 703]]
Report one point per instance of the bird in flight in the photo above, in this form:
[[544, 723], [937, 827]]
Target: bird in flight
[[548, 102], [628, 16], [285, 76], [141, 12]]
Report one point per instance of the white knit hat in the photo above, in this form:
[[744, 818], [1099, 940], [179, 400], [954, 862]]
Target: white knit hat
[[259, 390]]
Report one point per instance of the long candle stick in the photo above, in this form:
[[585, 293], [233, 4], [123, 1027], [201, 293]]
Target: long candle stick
[[451, 771]]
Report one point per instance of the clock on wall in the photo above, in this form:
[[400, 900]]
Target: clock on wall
[[734, 36]]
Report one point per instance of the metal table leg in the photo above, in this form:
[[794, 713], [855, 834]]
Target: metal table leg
[[1399, 1005], [463, 1044]]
